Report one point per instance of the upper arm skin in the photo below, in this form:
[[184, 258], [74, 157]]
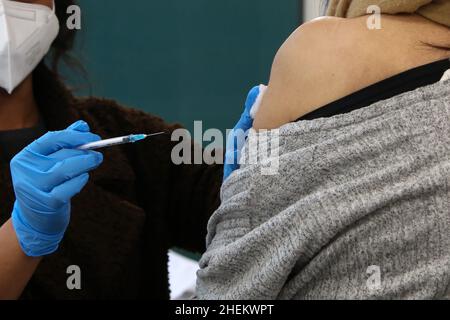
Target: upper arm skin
[[296, 70], [329, 58]]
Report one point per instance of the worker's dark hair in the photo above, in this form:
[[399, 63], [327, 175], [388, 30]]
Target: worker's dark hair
[[63, 44]]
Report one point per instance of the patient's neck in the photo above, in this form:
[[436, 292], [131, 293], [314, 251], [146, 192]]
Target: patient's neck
[[18, 110]]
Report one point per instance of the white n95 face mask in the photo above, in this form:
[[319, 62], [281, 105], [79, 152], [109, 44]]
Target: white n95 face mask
[[26, 33]]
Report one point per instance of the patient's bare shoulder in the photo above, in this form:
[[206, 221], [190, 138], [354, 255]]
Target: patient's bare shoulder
[[329, 58]]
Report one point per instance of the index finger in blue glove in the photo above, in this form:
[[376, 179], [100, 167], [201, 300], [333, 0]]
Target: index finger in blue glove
[[57, 140], [246, 120], [80, 125], [251, 98], [235, 141], [63, 154]]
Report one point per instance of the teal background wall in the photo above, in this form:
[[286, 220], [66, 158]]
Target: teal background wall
[[183, 60]]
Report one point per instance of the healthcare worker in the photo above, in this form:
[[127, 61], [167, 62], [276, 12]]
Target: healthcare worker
[[84, 224]]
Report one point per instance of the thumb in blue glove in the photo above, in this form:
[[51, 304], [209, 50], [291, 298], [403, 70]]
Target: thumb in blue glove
[[237, 136], [46, 175]]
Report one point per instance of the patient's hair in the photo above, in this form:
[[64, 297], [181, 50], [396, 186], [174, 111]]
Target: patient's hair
[[324, 7]]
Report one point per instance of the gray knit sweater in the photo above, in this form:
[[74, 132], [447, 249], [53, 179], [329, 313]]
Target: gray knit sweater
[[359, 209]]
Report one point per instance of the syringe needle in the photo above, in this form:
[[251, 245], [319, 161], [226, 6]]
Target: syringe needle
[[154, 134]]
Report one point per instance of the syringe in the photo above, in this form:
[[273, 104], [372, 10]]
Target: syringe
[[117, 141]]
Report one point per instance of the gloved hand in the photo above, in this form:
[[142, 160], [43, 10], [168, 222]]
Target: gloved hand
[[245, 123], [46, 175]]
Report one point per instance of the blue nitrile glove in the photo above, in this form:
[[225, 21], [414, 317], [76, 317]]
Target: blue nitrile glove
[[46, 175], [235, 145]]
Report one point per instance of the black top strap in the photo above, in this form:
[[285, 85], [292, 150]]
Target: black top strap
[[386, 89]]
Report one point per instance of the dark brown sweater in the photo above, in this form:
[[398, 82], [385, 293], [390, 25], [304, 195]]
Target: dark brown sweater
[[135, 207]]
